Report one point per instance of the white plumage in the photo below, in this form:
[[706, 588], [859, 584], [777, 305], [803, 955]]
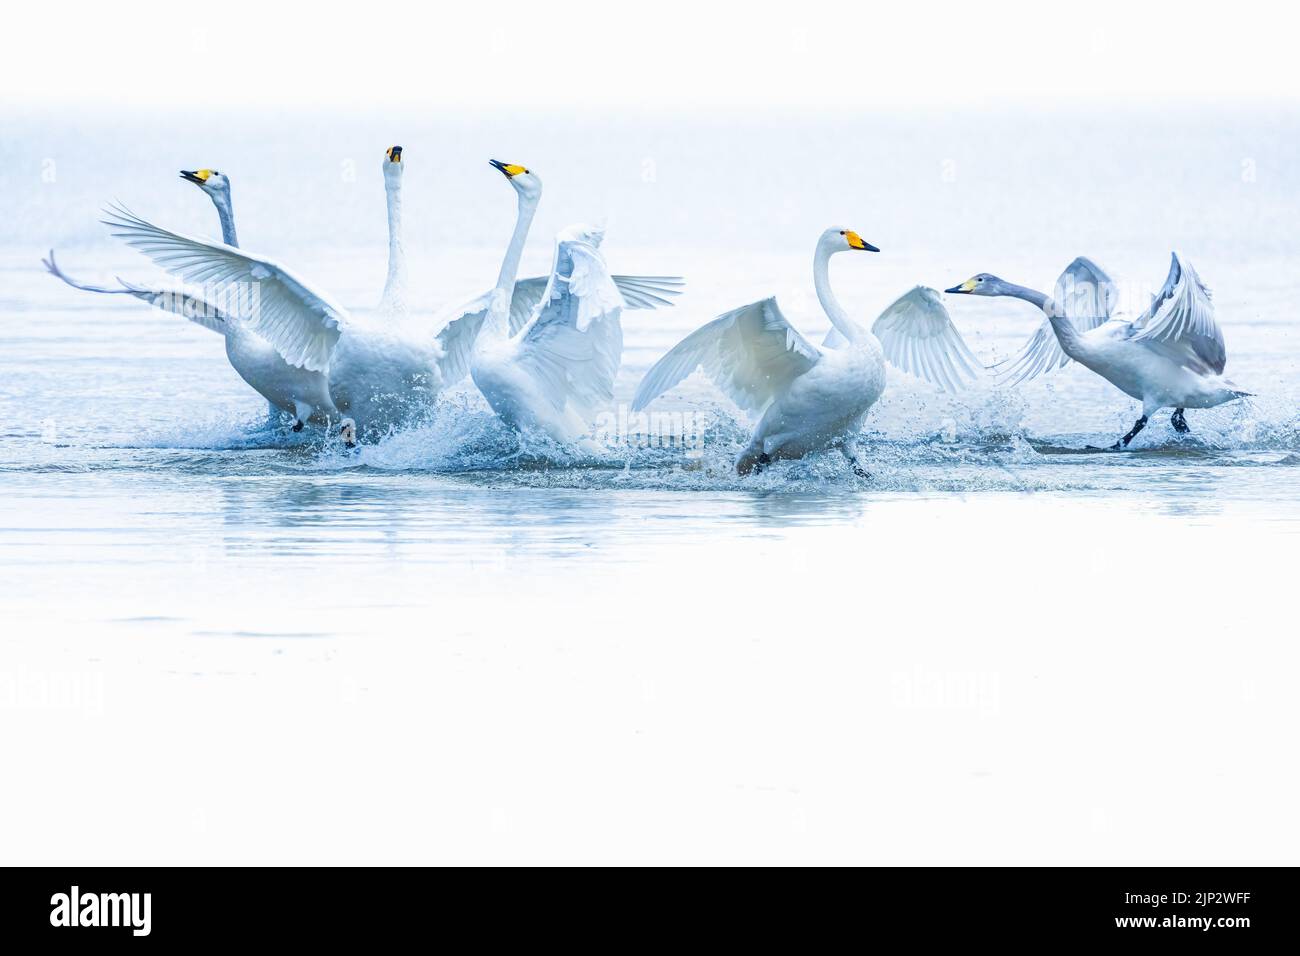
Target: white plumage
[[302, 393], [554, 373]]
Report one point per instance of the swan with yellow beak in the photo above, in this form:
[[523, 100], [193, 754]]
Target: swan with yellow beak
[[810, 397]]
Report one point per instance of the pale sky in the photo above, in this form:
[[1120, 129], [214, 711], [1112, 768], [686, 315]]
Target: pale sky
[[656, 54]]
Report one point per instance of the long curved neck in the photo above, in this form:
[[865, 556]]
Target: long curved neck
[[394, 298], [1065, 331], [226, 213], [834, 311], [498, 317]]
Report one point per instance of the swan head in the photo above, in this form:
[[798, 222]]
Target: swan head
[[523, 179], [348, 432], [982, 283], [839, 239], [209, 180], [393, 163]]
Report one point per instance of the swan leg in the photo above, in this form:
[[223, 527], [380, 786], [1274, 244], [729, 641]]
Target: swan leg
[[1179, 422], [1140, 424], [752, 460], [301, 412], [850, 449]]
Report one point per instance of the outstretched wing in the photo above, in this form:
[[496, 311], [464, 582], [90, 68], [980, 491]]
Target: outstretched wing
[[461, 327], [917, 335], [1087, 297], [462, 323], [302, 323], [574, 341], [639, 292], [751, 353], [195, 308], [1182, 315]]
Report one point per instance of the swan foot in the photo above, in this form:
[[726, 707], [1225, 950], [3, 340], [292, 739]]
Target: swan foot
[[850, 450], [750, 463], [1120, 445], [1179, 422], [348, 432], [297, 424]]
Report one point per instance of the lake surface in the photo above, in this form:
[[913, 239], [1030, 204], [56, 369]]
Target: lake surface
[[262, 646]]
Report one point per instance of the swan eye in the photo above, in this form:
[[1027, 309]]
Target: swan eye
[[841, 232]]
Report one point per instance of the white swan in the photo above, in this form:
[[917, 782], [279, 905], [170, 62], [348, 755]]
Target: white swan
[[557, 371], [379, 370], [514, 314], [1172, 355], [302, 393], [814, 397]]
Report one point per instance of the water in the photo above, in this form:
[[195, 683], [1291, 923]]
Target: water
[[526, 642]]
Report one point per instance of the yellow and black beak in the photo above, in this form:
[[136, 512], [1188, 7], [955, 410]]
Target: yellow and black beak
[[857, 242], [510, 170], [966, 287], [197, 176], [395, 154]]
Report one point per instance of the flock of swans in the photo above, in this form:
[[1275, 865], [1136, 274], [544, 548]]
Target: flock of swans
[[544, 351]]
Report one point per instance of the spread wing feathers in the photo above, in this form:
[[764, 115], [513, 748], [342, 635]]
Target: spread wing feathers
[[456, 340], [466, 319], [1087, 297], [1182, 314], [751, 353], [649, 292], [917, 335], [192, 307], [302, 323], [639, 292], [573, 343]]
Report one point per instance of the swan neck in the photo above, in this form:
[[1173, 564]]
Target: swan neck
[[498, 323], [1066, 334], [826, 296], [394, 297], [226, 213]]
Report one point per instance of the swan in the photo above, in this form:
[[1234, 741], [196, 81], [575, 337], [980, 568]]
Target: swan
[[379, 370], [812, 397], [557, 370], [301, 393], [1172, 355]]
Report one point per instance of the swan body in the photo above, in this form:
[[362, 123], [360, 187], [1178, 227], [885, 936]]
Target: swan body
[[302, 393], [821, 407], [1171, 356], [811, 397]]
